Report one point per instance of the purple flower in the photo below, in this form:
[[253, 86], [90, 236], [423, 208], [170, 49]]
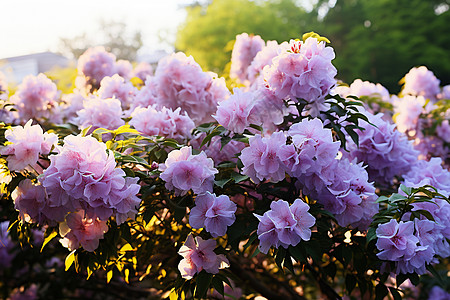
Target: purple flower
[[284, 225], [35, 97], [245, 49], [396, 240], [408, 110], [421, 82], [124, 68], [443, 131], [213, 213], [429, 173], [183, 171], [142, 70], [437, 293], [26, 144], [199, 255], [261, 159], [238, 112], [305, 72]]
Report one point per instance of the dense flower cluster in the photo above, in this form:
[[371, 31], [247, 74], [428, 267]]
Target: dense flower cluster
[[165, 122], [117, 87], [264, 58], [84, 176], [361, 88], [26, 144], [245, 49], [284, 225], [95, 64], [183, 171], [305, 72], [35, 97], [408, 110], [213, 213], [180, 82], [385, 150], [199, 255], [421, 82], [97, 112]]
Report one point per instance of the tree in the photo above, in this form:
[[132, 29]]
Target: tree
[[209, 27], [114, 36]]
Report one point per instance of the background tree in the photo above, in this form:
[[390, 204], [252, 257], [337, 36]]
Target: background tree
[[113, 35]]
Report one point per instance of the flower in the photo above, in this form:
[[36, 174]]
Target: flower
[[80, 230], [117, 87], [245, 49], [35, 97], [165, 122], [183, 171], [408, 110], [421, 82], [198, 255], [261, 160], [284, 225], [305, 72], [142, 70], [213, 213], [97, 112], [26, 144], [96, 63], [238, 112]]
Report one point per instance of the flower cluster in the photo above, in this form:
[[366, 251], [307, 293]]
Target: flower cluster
[[26, 144], [264, 58], [284, 225], [238, 112], [245, 49], [199, 255], [95, 64], [78, 229], [213, 213], [408, 110], [183, 171], [117, 87], [97, 112], [421, 82], [385, 150], [165, 122], [35, 97], [84, 176], [361, 88], [180, 82], [305, 72]]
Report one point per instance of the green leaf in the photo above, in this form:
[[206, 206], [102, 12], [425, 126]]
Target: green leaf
[[298, 253], [70, 259], [371, 235], [218, 285], [222, 182], [238, 177], [405, 189], [203, 281], [49, 234], [395, 293], [426, 214]]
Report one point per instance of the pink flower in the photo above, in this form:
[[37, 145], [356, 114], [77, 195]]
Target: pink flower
[[183, 171], [199, 255], [97, 112], [421, 82], [245, 49], [238, 112], [27, 143], [81, 230], [163, 122], [117, 87], [213, 213], [35, 97], [95, 63], [142, 70], [124, 68], [261, 159], [284, 225], [264, 58]]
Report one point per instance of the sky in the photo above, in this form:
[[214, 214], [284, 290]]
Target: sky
[[32, 26]]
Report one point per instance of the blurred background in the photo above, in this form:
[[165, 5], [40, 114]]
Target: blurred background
[[375, 40]]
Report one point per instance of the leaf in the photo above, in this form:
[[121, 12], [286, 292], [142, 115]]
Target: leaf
[[426, 214], [395, 293], [126, 247], [381, 291], [405, 189], [203, 282], [218, 285], [50, 233], [70, 259], [238, 177], [297, 253], [222, 182], [371, 235], [173, 295], [350, 283]]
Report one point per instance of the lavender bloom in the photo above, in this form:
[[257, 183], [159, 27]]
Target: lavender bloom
[[238, 111], [261, 160], [142, 70], [117, 87], [443, 131], [146, 96], [361, 88], [385, 150], [284, 225], [35, 97], [165, 122], [408, 110], [124, 69], [27, 143], [83, 175], [437, 293], [180, 82], [421, 82], [306, 72], [96, 63], [214, 150], [213, 213], [183, 171], [244, 50], [199, 255]]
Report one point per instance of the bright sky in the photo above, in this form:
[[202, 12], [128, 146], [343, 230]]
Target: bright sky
[[31, 26]]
